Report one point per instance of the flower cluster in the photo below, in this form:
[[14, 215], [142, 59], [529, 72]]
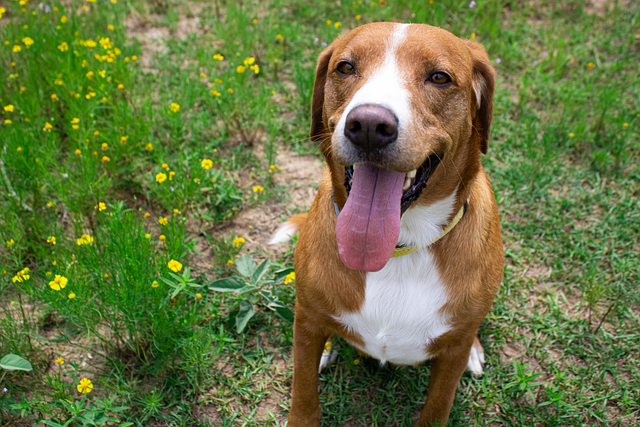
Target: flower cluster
[[237, 241], [85, 239], [22, 275]]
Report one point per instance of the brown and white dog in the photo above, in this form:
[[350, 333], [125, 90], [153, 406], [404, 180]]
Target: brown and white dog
[[402, 113]]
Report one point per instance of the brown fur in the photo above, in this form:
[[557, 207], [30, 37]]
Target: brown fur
[[455, 120]]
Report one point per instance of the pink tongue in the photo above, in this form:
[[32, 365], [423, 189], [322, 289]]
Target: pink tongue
[[369, 224]]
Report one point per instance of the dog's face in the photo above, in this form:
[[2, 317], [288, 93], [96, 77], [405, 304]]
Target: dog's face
[[394, 101]]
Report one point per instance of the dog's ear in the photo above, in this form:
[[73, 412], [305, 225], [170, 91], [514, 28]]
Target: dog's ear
[[318, 130], [483, 84]]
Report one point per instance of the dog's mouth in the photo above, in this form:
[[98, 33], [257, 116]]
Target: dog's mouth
[[414, 181], [368, 227]]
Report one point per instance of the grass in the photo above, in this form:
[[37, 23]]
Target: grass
[[150, 145]]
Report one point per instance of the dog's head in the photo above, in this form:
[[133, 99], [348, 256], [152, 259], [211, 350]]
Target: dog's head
[[391, 103]]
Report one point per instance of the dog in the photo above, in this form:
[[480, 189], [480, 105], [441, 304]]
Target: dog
[[401, 252]]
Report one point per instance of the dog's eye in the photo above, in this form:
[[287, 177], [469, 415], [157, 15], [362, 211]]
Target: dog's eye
[[346, 68], [439, 78]]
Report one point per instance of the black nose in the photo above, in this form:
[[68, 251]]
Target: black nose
[[371, 126]]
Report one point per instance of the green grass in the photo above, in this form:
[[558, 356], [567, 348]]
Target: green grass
[[563, 336]]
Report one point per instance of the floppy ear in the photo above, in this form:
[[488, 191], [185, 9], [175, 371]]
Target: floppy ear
[[318, 130], [483, 84]]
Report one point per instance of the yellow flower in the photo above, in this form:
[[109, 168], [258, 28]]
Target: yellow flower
[[51, 204], [110, 27], [219, 81], [10, 242], [162, 220], [147, 214], [174, 107], [199, 295], [96, 133], [290, 278], [28, 41], [105, 159], [241, 69], [147, 236], [174, 265], [100, 206], [106, 43], [63, 19], [54, 97], [149, 147], [218, 57], [102, 73], [356, 362], [258, 188], [279, 37], [85, 385], [625, 125], [328, 22], [215, 93], [104, 146], [22, 275], [206, 163], [255, 68], [176, 211], [85, 239], [121, 86], [63, 47], [8, 122], [337, 24], [571, 135], [72, 295], [59, 282], [358, 17], [272, 168], [590, 65], [161, 177], [237, 241], [47, 127], [123, 139], [473, 35], [22, 89], [59, 360], [78, 152], [230, 90], [165, 166], [230, 262], [255, 21], [134, 58], [155, 284], [52, 240], [171, 174], [249, 61], [17, 48], [162, 238]]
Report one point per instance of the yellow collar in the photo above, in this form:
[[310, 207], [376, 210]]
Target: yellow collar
[[411, 249]]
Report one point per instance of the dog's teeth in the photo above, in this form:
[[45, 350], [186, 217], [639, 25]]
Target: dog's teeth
[[412, 174], [407, 183]]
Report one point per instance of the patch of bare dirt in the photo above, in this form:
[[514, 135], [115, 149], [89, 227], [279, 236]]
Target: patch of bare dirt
[[299, 175]]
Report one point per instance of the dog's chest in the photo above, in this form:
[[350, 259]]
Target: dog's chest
[[401, 314]]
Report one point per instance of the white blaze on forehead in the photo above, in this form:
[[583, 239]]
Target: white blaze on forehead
[[385, 86]]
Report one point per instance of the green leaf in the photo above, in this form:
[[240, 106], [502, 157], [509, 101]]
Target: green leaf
[[228, 284], [13, 362], [285, 313], [260, 271], [281, 274], [246, 265], [246, 312]]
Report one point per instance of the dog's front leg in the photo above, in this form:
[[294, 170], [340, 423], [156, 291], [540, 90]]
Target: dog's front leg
[[308, 344], [446, 370]]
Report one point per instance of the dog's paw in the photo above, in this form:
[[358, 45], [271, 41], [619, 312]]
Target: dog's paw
[[329, 355], [476, 359]]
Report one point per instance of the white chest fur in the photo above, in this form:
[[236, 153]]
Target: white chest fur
[[401, 314]]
